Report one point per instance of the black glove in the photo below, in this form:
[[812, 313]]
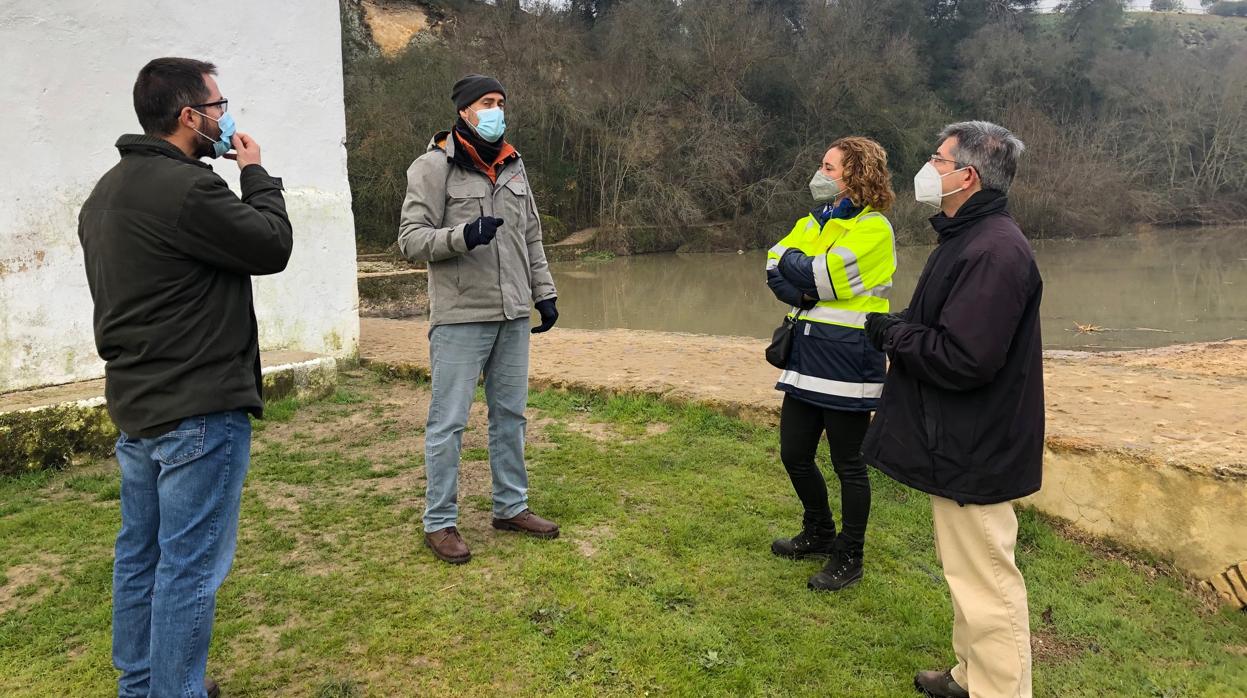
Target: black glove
[[549, 315], [877, 326], [481, 231]]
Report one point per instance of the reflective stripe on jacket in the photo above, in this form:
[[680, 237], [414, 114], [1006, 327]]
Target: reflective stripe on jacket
[[847, 265]]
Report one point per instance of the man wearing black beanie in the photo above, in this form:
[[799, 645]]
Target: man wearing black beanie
[[470, 213]]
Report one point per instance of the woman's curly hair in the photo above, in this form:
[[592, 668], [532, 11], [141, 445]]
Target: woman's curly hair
[[867, 181]]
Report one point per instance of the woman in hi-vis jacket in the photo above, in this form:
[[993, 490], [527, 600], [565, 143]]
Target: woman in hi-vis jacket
[[833, 268]]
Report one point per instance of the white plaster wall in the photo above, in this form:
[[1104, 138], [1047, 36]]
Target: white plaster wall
[[68, 68]]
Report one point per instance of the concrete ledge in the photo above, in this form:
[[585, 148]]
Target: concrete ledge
[[392, 288], [391, 285], [49, 427], [50, 436], [1190, 516], [298, 375]]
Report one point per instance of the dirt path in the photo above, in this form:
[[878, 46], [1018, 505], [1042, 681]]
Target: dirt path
[[1184, 406]]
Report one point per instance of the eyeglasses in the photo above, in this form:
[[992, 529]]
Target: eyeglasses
[[936, 158], [222, 103]]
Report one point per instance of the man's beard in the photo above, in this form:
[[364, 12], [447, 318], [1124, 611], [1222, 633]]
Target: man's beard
[[203, 146]]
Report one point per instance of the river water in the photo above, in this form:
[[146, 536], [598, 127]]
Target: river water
[[1161, 287]]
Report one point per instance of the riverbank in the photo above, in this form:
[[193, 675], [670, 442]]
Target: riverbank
[[1143, 447], [1185, 405]]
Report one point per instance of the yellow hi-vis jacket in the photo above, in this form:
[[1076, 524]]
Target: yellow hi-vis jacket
[[847, 265], [853, 260]]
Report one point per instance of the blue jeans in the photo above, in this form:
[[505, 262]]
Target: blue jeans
[[180, 494], [458, 355]]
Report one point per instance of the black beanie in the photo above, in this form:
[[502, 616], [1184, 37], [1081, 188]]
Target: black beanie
[[471, 88]]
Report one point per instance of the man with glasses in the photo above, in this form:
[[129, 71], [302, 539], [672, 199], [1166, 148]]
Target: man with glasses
[[962, 413], [169, 253]]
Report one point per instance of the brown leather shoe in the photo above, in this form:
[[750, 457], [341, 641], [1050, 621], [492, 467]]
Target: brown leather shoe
[[939, 684], [528, 523], [448, 546], [214, 691]]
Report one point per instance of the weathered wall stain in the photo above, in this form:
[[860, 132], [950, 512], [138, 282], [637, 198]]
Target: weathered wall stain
[[46, 334]]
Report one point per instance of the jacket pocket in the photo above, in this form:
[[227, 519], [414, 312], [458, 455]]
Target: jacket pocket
[[930, 417], [465, 201], [182, 445], [515, 206], [443, 281]]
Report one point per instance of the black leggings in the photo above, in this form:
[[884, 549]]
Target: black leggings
[[801, 425]]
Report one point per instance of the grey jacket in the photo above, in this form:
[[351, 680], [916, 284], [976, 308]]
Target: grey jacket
[[498, 281]]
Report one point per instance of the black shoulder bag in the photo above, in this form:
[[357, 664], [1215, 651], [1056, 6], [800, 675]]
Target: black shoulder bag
[[780, 348]]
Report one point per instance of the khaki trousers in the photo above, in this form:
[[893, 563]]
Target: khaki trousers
[[991, 623]]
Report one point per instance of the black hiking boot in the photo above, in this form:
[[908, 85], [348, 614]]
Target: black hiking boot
[[812, 541], [843, 569]]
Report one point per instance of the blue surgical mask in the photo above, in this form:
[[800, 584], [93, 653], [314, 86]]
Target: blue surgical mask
[[225, 144], [491, 124]]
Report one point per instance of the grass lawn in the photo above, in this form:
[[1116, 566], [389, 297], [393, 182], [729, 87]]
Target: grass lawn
[[662, 583]]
